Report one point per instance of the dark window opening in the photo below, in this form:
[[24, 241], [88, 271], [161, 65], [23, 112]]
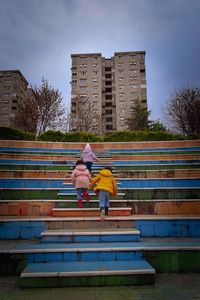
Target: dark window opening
[[109, 119], [109, 104]]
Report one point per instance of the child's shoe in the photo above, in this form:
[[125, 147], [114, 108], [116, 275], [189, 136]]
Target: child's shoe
[[80, 204], [86, 195], [102, 215]]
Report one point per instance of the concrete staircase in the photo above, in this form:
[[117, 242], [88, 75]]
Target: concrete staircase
[[46, 238]]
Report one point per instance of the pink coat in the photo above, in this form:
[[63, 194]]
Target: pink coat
[[81, 177]]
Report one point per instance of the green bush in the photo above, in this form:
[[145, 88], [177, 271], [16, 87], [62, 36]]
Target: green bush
[[130, 136], [81, 137], [58, 136], [8, 133], [52, 136]]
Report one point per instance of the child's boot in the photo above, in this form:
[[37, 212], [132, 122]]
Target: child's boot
[[80, 204], [86, 195], [102, 214]]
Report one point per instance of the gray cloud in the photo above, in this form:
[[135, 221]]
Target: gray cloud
[[39, 36]]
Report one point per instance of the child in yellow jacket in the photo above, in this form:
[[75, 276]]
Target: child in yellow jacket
[[105, 186]]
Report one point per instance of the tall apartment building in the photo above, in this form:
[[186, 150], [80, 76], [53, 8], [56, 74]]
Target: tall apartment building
[[112, 85], [13, 88]]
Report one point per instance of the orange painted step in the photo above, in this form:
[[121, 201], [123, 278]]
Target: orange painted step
[[89, 212]]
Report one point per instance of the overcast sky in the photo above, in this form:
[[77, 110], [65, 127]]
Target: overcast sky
[[38, 37]]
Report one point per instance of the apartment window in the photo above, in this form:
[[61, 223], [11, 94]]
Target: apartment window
[[109, 90], [95, 72], [109, 127], [95, 95], [133, 70], [94, 65], [109, 97], [134, 95], [108, 75], [83, 57], [108, 82], [94, 79], [144, 101], [143, 86], [74, 74], [134, 86], [109, 104], [132, 55], [109, 119], [82, 80], [83, 73], [109, 112], [108, 69]]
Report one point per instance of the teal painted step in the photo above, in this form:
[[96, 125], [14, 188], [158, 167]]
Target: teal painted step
[[95, 273], [89, 236]]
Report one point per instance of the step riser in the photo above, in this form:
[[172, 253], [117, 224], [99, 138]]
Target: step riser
[[92, 238], [36, 208], [82, 213], [85, 256], [116, 280]]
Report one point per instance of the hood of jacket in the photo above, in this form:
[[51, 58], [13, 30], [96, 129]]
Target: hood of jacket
[[81, 168], [106, 173]]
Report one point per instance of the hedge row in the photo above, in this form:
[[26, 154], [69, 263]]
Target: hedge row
[[7, 133]]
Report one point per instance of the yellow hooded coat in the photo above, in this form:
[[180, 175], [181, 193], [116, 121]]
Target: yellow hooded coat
[[104, 181]]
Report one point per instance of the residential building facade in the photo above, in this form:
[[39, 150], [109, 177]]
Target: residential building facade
[[112, 85], [13, 89]]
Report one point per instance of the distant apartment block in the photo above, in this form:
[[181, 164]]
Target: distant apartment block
[[112, 85], [13, 89]]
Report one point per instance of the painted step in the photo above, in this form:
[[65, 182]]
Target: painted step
[[95, 273], [92, 203], [90, 235], [86, 212]]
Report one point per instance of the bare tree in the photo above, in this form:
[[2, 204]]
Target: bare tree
[[27, 113], [43, 109], [84, 116], [183, 111]]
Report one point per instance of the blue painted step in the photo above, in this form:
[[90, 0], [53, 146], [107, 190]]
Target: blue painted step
[[95, 273], [89, 236]]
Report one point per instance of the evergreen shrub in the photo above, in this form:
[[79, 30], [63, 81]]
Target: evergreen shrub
[[8, 133]]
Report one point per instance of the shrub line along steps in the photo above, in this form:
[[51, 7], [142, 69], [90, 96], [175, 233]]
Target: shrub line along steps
[[100, 261]]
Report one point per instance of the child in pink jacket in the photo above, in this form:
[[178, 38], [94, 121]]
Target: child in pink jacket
[[81, 180]]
